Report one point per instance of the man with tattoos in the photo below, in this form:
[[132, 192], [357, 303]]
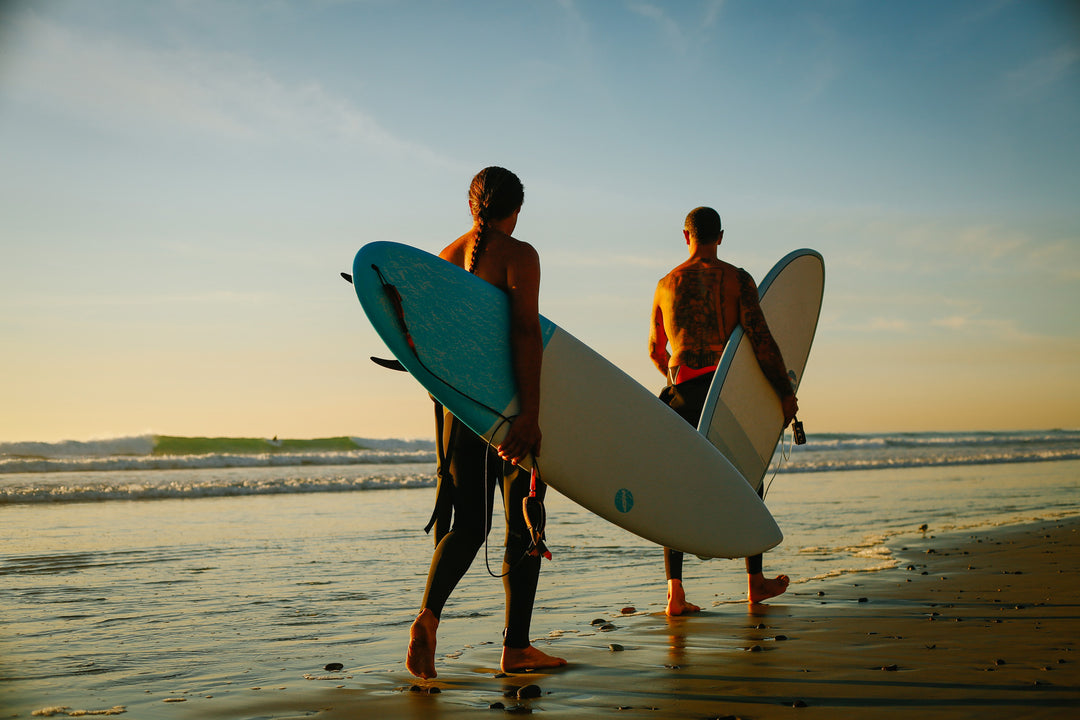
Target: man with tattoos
[[696, 308]]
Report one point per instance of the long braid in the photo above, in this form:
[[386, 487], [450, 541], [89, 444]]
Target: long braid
[[474, 256], [478, 244], [494, 194]]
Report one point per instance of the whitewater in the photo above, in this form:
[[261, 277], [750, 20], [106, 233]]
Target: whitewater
[[150, 467]]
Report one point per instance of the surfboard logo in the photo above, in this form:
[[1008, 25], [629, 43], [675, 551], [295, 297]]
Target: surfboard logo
[[624, 500]]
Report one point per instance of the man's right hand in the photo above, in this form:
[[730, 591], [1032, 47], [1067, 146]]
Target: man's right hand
[[791, 408]]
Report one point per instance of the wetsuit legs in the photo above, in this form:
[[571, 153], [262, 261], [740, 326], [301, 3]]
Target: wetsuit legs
[[520, 586], [673, 564], [473, 500], [521, 571], [688, 399], [753, 564]]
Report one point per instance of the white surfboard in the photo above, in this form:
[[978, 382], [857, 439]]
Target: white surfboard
[[609, 444], [742, 416]]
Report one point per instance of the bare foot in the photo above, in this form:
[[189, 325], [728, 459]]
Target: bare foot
[[528, 658], [763, 588], [421, 657], [676, 599]]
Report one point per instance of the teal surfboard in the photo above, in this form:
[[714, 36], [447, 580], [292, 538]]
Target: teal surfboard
[[609, 444]]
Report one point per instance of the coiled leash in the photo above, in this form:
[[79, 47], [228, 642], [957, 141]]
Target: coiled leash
[[535, 516]]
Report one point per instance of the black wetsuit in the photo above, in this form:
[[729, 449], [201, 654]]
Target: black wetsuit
[[472, 500], [688, 400]]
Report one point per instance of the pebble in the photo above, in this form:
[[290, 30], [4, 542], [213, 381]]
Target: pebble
[[615, 647], [333, 667], [528, 691], [889, 668], [780, 637], [628, 610]]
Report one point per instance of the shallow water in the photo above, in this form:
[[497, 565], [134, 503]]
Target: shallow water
[[129, 602]]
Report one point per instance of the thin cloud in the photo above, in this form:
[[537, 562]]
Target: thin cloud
[[668, 27], [114, 82], [679, 39], [888, 325], [1043, 73]]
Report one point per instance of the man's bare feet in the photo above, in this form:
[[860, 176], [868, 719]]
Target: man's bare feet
[[421, 656], [763, 588], [528, 658], [676, 599]]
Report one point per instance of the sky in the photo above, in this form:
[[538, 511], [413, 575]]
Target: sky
[[182, 181]]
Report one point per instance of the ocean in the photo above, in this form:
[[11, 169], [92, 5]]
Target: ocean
[[149, 570], [153, 467]]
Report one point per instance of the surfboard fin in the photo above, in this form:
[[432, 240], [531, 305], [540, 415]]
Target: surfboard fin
[[389, 363], [347, 277]]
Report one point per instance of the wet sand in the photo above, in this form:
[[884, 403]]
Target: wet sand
[[981, 624]]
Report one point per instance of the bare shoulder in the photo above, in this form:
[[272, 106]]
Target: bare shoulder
[[746, 280], [521, 252], [455, 251], [518, 260]]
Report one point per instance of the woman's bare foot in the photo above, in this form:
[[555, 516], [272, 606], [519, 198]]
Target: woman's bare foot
[[421, 657], [528, 658], [763, 588], [676, 599]]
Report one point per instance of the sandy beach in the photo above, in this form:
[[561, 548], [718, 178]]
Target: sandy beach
[[969, 625]]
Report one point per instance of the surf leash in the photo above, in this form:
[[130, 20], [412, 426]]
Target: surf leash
[[798, 438], [532, 507], [394, 296], [535, 516]]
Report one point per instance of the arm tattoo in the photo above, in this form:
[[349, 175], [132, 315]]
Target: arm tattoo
[[757, 331]]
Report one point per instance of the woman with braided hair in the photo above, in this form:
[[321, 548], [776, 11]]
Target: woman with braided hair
[[490, 252]]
